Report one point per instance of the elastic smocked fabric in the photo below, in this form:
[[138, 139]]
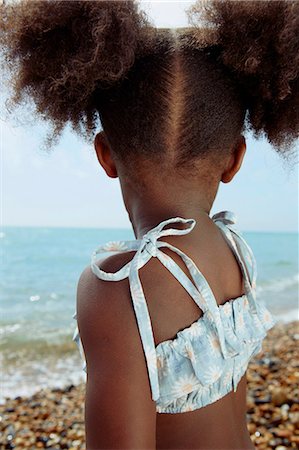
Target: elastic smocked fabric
[[206, 360]]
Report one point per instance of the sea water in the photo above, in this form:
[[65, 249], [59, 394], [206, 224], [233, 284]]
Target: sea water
[[40, 269]]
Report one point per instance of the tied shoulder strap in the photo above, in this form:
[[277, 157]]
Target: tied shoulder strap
[[147, 247], [226, 221]]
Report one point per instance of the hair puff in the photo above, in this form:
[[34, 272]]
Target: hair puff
[[95, 44], [259, 44]]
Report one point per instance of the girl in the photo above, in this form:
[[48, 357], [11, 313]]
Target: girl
[[170, 321]]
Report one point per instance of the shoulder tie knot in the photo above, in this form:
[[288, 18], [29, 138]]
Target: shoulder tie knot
[[149, 240], [150, 243]]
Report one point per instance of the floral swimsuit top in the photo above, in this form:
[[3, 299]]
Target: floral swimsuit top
[[207, 359]]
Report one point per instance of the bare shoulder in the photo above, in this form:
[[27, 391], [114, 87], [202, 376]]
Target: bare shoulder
[[119, 411], [107, 297]]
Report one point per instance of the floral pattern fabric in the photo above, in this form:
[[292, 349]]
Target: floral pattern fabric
[[206, 360]]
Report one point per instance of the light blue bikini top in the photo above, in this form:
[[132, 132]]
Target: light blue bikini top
[[207, 359]]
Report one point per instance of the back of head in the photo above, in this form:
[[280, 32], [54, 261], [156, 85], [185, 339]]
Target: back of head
[[175, 97]]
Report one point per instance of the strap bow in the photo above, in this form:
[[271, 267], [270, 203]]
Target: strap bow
[[150, 241]]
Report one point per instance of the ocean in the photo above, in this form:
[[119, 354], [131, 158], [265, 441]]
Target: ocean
[[40, 270]]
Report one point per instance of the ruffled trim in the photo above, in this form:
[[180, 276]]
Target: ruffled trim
[[193, 362], [203, 395]]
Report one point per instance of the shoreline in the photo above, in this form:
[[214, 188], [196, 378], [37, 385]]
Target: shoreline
[[286, 317], [56, 366], [54, 417]]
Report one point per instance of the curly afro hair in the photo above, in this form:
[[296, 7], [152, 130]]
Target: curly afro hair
[[159, 94], [59, 52], [259, 43]]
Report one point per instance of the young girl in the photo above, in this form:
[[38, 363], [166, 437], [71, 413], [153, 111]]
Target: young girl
[[169, 322]]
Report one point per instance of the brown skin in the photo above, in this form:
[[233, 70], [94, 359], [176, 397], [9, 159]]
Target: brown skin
[[183, 198], [119, 411]]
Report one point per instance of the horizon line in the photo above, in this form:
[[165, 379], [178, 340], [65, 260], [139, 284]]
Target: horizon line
[[95, 227]]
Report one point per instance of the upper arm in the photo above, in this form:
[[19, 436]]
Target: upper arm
[[119, 410]]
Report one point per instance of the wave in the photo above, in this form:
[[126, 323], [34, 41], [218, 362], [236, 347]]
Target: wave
[[6, 329], [279, 285], [26, 376]]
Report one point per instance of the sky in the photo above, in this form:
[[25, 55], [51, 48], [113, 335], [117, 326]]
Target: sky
[[69, 188]]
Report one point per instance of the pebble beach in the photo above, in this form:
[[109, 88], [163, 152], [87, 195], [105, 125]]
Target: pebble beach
[[54, 418]]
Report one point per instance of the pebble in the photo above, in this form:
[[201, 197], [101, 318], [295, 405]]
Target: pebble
[[273, 391], [279, 396], [54, 418]]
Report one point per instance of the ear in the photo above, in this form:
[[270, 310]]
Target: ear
[[235, 161], [104, 154]]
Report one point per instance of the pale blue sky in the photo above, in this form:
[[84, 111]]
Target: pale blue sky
[[69, 188]]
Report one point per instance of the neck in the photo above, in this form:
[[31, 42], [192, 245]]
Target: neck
[[149, 206]]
